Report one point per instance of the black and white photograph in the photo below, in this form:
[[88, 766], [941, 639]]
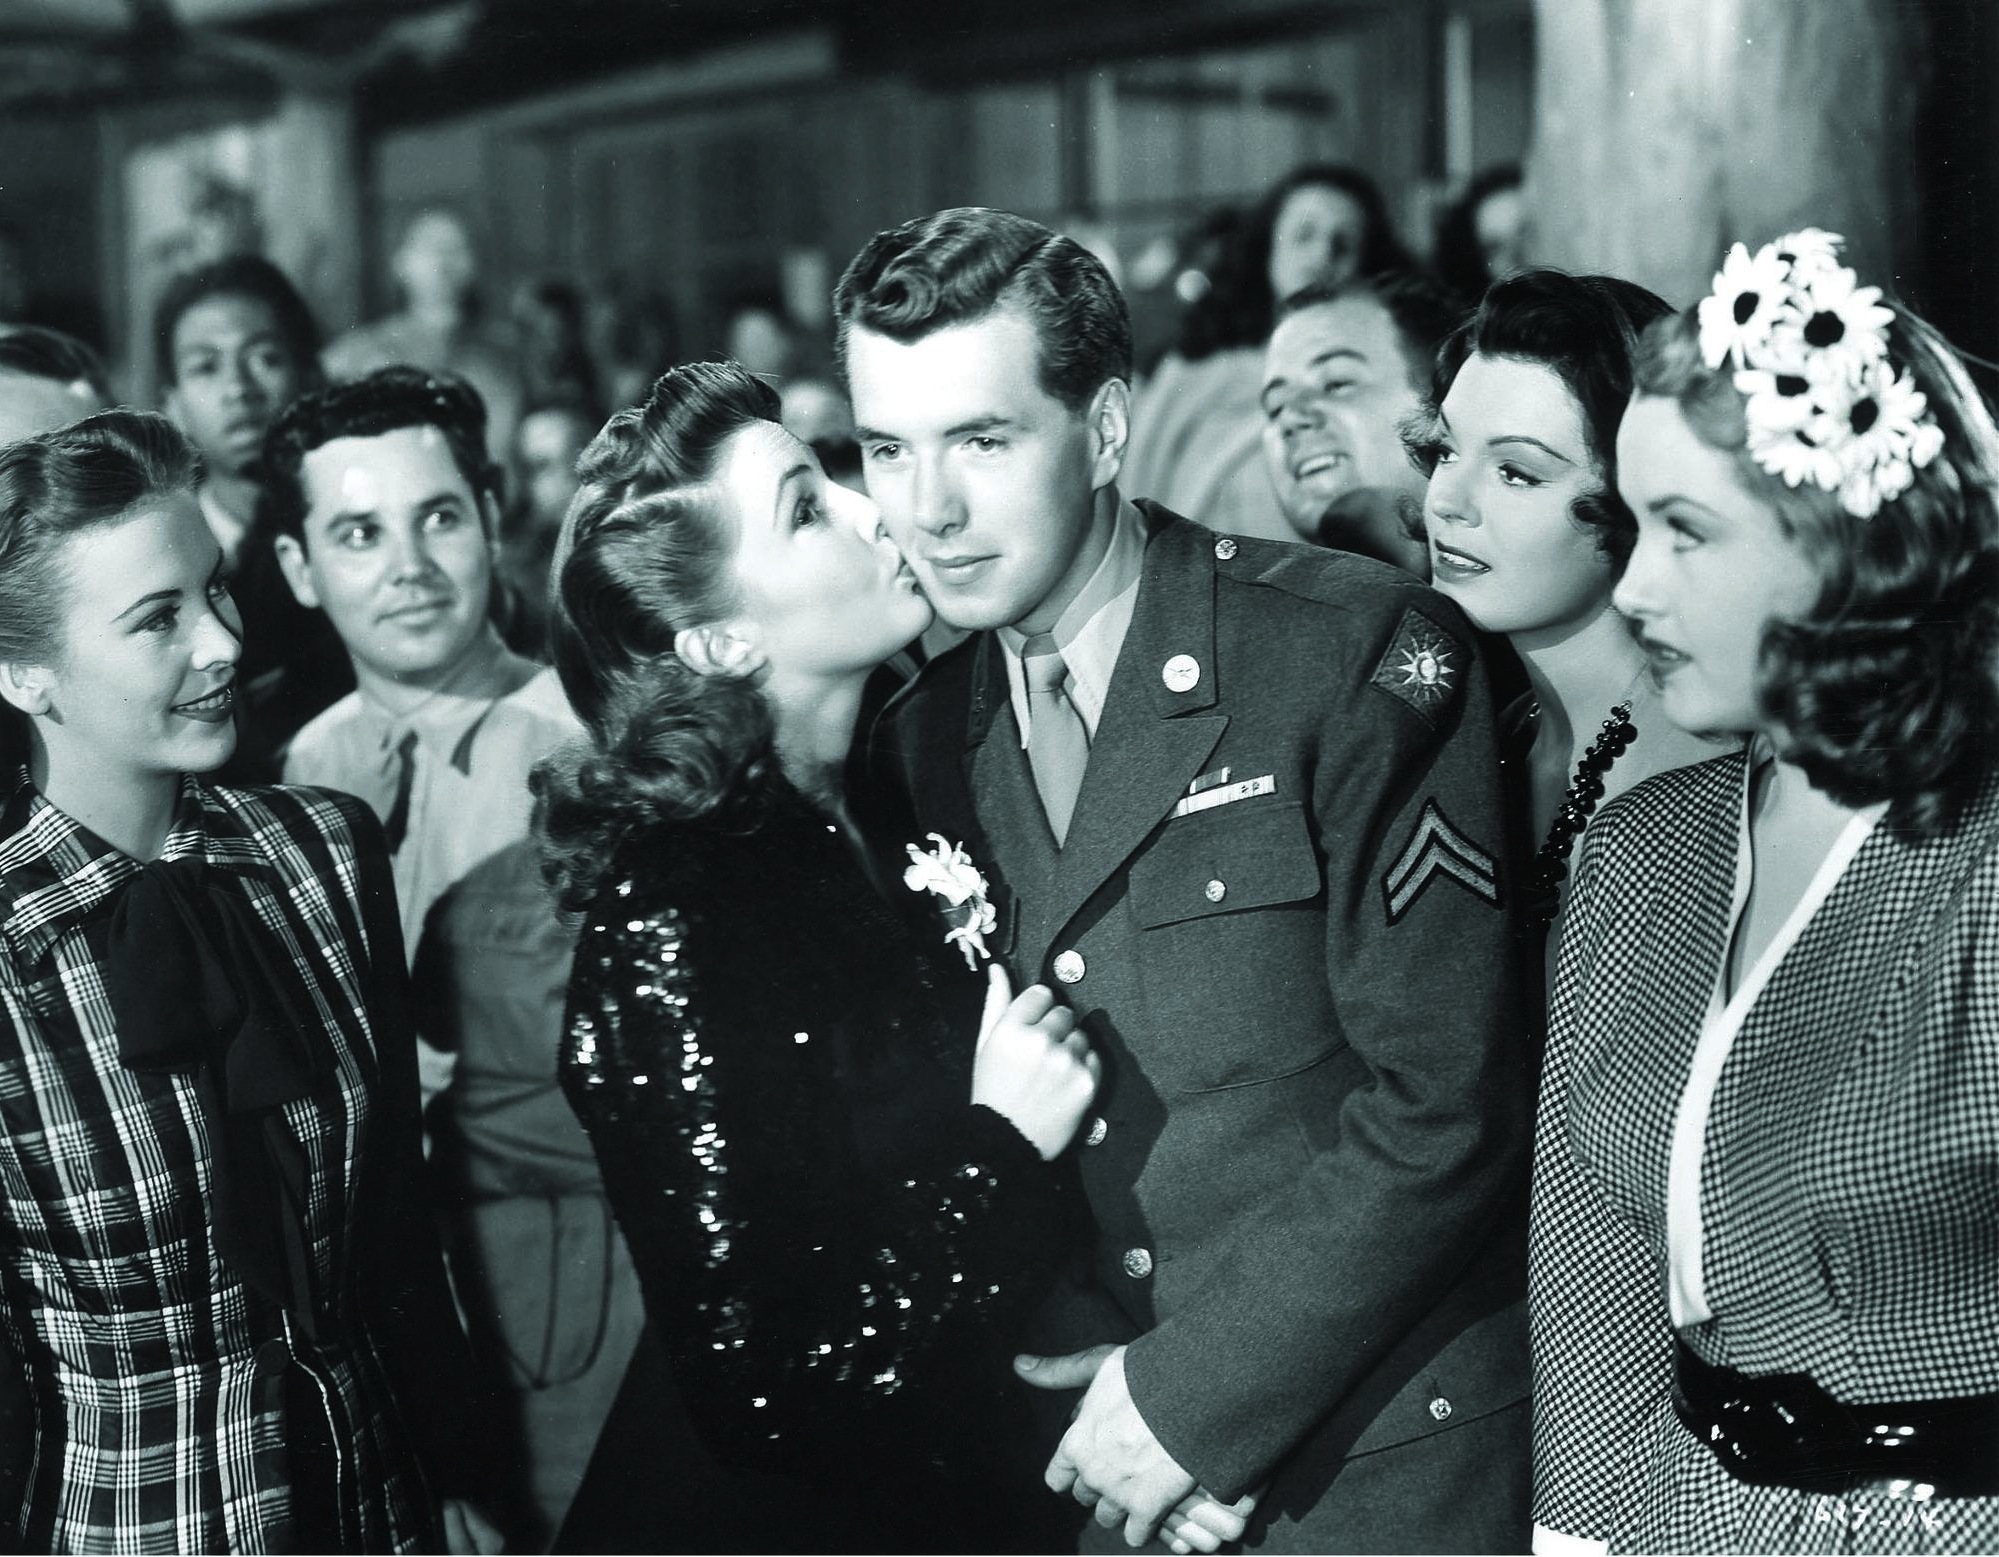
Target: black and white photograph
[[999, 776]]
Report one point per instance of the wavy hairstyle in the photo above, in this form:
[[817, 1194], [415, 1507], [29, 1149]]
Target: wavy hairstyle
[[1239, 309], [645, 551], [1585, 330], [959, 265], [58, 485], [1888, 689]]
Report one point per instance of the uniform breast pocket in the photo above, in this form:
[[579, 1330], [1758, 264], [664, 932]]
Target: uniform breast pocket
[[1230, 925]]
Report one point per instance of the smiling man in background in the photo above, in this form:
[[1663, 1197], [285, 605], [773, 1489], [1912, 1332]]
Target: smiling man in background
[[1346, 365], [388, 505]]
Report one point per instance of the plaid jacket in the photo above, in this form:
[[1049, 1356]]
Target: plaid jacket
[[1850, 1184], [156, 1398]]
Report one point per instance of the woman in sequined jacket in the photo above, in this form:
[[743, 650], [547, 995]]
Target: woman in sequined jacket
[[835, 1174]]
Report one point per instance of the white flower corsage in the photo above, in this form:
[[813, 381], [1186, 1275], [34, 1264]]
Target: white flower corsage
[[1808, 346], [948, 871]]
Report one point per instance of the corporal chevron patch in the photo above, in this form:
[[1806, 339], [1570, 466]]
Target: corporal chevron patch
[[1437, 848], [1423, 666]]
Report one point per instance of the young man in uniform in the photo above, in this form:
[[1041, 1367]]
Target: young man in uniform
[[1240, 802]]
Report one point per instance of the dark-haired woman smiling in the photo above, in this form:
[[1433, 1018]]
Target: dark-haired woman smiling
[[225, 1307], [833, 1172]]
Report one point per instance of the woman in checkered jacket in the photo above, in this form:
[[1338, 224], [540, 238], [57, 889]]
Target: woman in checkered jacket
[[222, 1305], [1765, 1241]]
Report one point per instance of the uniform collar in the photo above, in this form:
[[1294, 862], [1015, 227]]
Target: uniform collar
[[1091, 631], [1172, 618], [55, 873]]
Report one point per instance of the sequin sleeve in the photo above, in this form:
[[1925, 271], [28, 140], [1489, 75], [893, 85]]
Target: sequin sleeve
[[803, 1302]]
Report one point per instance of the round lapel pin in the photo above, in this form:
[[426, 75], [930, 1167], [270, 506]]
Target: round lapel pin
[[1182, 673]]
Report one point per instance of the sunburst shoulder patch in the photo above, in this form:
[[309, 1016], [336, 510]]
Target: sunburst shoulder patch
[[1424, 665]]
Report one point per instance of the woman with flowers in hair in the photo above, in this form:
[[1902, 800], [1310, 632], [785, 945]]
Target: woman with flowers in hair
[[1766, 1218], [836, 1177]]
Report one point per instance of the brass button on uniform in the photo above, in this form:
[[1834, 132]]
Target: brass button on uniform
[[1138, 1263], [1216, 890], [1069, 967], [1440, 1408], [1225, 548], [1099, 1128]]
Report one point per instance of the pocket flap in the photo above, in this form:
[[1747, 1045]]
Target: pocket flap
[[1252, 854]]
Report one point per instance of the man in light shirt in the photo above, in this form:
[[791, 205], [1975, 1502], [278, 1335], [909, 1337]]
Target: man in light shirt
[[387, 504]]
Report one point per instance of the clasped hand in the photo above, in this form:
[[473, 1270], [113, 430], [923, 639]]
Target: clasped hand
[[1110, 1461]]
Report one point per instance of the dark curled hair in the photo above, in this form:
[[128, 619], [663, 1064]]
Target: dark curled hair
[[1238, 309], [381, 402], [53, 487], [36, 352], [1886, 690], [645, 551], [960, 265], [1424, 314], [1458, 257], [1584, 330], [240, 275]]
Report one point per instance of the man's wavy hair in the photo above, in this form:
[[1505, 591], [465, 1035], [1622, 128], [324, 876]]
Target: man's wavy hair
[[645, 551], [957, 266], [1583, 329], [384, 401], [1888, 689]]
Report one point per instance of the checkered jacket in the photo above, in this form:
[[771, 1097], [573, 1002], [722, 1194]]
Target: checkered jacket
[[1850, 1188], [156, 1398]]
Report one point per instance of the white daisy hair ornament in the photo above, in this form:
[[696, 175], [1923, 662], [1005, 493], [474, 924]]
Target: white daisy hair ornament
[[1808, 346]]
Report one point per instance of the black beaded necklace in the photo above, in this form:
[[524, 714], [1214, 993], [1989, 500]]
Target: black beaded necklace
[[1551, 863]]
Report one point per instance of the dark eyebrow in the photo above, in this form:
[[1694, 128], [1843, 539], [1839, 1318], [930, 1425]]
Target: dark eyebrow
[[1552, 453], [869, 435], [1680, 500], [784, 485], [158, 595], [979, 424], [1317, 361]]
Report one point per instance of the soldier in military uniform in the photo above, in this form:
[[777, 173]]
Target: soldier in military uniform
[[1240, 805]]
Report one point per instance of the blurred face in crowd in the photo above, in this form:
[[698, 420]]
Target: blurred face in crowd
[[986, 481], [546, 446], [1511, 459], [761, 342], [1337, 386], [233, 372], [1317, 237], [142, 680], [1501, 224], [397, 551], [435, 264], [31, 404], [824, 595], [1712, 570]]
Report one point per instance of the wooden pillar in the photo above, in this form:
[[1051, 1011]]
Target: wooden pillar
[[1667, 129]]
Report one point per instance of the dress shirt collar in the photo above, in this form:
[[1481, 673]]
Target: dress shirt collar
[[448, 720], [1091, 630]]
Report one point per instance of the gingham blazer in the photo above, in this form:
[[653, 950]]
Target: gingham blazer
[[154, 1393], [1850, 1184]]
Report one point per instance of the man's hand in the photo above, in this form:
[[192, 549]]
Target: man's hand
[[1109, 1459], [468, 1532]]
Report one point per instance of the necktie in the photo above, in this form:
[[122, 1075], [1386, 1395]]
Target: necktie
[[1058, 744], [397, 823]]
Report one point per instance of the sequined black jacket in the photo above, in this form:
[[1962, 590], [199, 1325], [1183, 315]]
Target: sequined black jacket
[[774, 1067]]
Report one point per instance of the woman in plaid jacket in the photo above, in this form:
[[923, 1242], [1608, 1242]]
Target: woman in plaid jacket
[[1765, 1242], [224, 1304]]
